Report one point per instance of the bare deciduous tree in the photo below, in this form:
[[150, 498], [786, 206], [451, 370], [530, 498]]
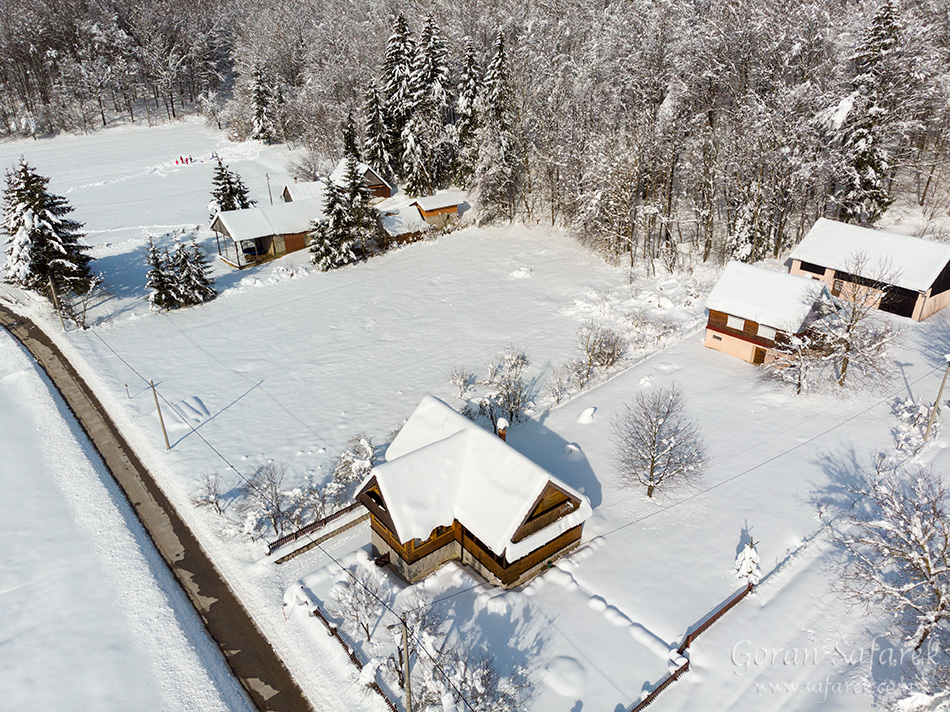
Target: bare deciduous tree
[[265, 498], [357, 599], [896, 546], [601, 346], [508, 393], [209, 495], [655, 442], [462, 378]]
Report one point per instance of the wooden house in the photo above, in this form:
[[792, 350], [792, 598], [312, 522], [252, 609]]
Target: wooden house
[[896, 273], [377, 185], [451, 491], [304, 190], [258, 234], [439, 209], [751, 309]]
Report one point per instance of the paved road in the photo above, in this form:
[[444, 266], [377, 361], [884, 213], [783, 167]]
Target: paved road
[[247, 651]]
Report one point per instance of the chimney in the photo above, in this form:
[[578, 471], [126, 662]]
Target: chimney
[[502, 428]]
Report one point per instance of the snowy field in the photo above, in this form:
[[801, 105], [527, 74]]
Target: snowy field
[[91, 618], [289, 363]]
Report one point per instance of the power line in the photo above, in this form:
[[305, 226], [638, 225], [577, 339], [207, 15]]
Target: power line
[[248, 483]]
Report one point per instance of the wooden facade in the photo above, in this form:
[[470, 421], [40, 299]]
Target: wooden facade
[[748, 343], [454, 542]]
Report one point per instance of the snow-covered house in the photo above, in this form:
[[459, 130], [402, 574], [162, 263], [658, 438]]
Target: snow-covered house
[[377, 185], [451, 491], [752, 308], [256, 234], [439, 209], [901, 274], [305, 190]]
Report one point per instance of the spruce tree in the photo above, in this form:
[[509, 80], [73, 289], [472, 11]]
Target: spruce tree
[[466, 117], [162, 293], [42, 241], [362, 216], [190, 274], [499, 169], [862, 194], [351, 141], [229, 192], [397, 73], [262, 98], [375, 151], [332, 241]]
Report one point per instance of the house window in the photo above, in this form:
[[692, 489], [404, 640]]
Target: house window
[[734, 322], [717, 337], [767, 332], [813, 268]]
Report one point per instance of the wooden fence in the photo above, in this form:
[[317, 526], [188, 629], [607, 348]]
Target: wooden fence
[[674, 676], [310, 528], [334, 632], [713, 618]]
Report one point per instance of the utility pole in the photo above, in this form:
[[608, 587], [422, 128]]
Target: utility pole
[[933, 411], [52, 289], [269, 195], [160, 418], [405, 662]]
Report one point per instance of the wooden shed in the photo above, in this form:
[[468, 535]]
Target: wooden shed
[[377, 185], [451, 491], [900, 274], [255, 235], [439, 209], [752, 308]]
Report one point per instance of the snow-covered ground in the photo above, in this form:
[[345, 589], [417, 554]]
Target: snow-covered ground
[[289, 363], [91, 618]]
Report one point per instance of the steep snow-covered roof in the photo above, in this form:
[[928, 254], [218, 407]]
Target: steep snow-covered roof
[[309, 190], [280, 219], [442, 467], [776, 299], [910, 262], [401, 219], [440, 200], [337, 174]]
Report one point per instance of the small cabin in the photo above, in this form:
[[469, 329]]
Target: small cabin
[[378, 186], [304, 190], [438, 210], [899, 274], [452, 491], [258, 234], [751, 309]]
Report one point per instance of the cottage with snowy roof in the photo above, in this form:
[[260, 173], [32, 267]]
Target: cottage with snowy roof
[[451, 491], [378, 186], [903, 275], [253, 235], [305, 190], [439, 209], [751, 309]]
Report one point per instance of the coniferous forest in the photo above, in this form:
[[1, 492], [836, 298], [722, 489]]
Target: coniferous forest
[[652, 128]]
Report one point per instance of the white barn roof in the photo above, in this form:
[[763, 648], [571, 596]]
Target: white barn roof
[[910, 262], [777, 299], [280, 219], [442, 467], [447, 199], [309, 190]]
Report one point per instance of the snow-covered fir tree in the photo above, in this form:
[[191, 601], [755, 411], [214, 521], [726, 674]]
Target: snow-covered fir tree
[[499, 169], [363, 217], [376, 137], [160, 282], [192, 274], [397, 74], [43, 242], [331, 241], [229, 191], [466, 116], [863, 193], [351, 140], [263, 99], [747, 565]]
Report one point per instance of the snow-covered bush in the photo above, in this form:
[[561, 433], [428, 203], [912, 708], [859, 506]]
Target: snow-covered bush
[[747, 565], [508, 393], [462, 378], [357, 598], [351, 467], [600, 345], [912, 417], [209, 495], [264, 502]]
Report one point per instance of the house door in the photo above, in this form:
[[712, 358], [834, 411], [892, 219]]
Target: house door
[[759, 357]]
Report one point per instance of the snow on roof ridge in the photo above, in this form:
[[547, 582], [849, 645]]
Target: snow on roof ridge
[[278, 219], [442, 467], [771, 298], [915, 263]]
